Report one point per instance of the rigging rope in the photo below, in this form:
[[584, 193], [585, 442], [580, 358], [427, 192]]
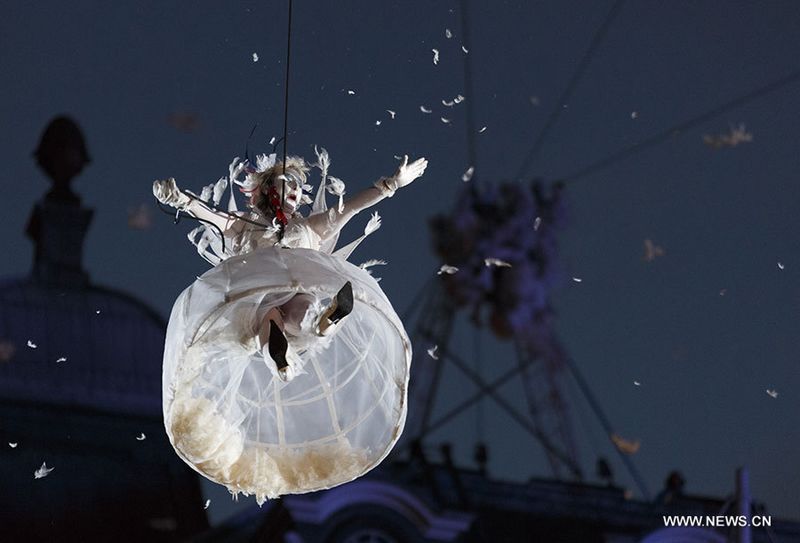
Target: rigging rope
[[680, 127], [286, 99], [573, 82]]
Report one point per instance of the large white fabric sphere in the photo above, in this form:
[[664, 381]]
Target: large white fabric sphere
[[232, 419]]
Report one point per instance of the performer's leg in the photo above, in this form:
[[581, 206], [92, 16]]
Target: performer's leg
[[341, 306], [273, 343], [294, 311]]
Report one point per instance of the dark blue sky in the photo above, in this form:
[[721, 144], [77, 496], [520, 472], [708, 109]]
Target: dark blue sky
[[725, 218]]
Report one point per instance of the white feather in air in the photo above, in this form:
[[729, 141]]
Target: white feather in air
[[467, 175], [43, 471], [496, 262], [449, 270], [425, 110]]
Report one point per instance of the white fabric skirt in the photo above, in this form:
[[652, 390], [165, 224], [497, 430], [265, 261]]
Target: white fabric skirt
[[232, 419]]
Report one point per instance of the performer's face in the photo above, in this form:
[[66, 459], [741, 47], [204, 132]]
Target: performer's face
[[292, 188]]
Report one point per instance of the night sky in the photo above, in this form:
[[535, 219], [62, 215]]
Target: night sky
[[172, 89]]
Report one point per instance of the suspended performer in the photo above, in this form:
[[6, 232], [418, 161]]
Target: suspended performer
[[285, 366]]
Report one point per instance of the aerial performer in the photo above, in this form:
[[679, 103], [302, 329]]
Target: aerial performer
[[285, 366]]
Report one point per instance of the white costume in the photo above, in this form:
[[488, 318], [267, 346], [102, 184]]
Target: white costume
[[227, 413]]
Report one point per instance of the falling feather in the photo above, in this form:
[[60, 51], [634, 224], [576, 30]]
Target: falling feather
[[496, 262], [537, 223], [255, 57], [32, 345], [208, 502], [391, 113], [447, 33], [577, 279], [449, 270], [773, 393], [435, 56], [458, 99], [467, 175], [445, 120], [781, 266], [637, 383], [464, 49], [12, 445], [432, 352], [425, 110], [482, 130], [141, 437], [625, 446], [351, 92], [377, 123], [62, 359], [43, 471], [446, 103], [651, 251]]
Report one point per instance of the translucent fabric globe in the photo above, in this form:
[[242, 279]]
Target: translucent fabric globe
[[230, 416]]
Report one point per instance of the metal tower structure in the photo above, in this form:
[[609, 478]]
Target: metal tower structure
[[539, 354]]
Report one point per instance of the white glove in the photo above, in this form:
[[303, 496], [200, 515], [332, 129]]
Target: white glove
[[167, 192], [405, 174]]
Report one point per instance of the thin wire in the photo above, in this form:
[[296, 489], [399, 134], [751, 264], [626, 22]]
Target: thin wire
[[479, 372], [570, 88], [472, 154], [680, 127], [286, 99], [606, 424], [182, 214]]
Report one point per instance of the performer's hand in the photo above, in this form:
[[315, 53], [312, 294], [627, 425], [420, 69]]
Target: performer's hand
[[168, 193], [407, 173]]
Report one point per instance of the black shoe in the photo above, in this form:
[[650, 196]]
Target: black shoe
[[278, 347], [341, 306]]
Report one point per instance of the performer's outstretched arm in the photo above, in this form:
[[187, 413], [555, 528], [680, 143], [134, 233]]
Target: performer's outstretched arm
[[168, 193], [329, 224]]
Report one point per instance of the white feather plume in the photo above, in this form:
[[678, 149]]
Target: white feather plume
[[372, 262], [323, 163], [265, 162], [373, 224], [219, 189], [205, 194], [337, 187]]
